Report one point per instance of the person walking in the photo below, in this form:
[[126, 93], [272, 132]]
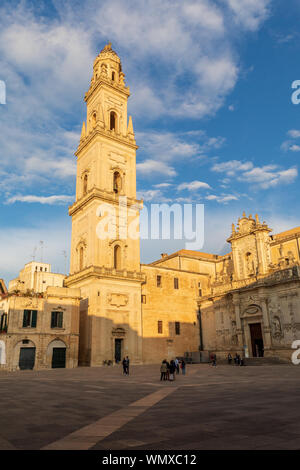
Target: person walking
[[127, 365], [163, 370], [168, 370], [229, 358], [213, 358], [182, 365], [177, 365], [172, 370], [124, 364]]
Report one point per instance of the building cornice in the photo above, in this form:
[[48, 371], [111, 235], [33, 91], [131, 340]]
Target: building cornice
[[111, 135], [123, 90], [101, 272], [103, 196]]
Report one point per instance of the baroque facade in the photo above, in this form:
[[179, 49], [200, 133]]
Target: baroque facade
[[246, 301], [186, 303]]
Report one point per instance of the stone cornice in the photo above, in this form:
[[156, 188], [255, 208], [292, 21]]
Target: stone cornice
[[278, 241], [110, 84], [238, 235], [103, 196], [101, 272], [110, 135], [175, 269]]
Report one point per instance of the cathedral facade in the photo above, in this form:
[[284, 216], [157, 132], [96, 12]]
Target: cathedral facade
[[246, 301]]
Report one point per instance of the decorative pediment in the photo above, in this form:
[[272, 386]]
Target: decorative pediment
[[118, 331]]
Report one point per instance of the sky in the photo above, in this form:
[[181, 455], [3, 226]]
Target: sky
[[211, 101]]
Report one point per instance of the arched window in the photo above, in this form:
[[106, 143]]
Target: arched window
[[81, 252], [117, 257], [94, 119], [85, 184], [113, 121], [113, 76], [117, 182]]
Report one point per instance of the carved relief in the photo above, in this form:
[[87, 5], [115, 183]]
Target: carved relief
[[252, 310], [118, 300], [276, 328]]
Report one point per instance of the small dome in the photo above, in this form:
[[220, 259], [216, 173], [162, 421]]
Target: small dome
[[108, 53]]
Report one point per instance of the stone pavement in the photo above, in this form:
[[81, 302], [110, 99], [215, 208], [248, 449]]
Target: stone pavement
[[226, 407]]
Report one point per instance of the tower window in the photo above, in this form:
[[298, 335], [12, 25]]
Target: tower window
[[159, 326], [113, 76], [158, 281], [94, 119], [176, 283], [117, 182], [81, 258], [85, 184], [117, 257], [177, 328], [113, 121], [143, 299]]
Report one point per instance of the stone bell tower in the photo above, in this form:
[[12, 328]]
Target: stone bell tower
[[105, 248]]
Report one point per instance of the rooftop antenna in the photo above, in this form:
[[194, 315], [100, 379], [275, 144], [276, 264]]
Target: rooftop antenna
[[34, 253], [42, 247]]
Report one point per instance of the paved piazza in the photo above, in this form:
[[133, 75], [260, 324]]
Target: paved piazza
[[227, 407]]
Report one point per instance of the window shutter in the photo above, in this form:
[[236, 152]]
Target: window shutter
[[25, 318], [33, 318], [52, 319], [60, 319]]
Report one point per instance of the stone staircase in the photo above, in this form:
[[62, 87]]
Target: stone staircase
[[262, 361]]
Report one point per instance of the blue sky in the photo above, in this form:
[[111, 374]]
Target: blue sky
[[211, 106]]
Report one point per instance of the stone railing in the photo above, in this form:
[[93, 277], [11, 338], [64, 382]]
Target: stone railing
[[110, 272], [292, 273]]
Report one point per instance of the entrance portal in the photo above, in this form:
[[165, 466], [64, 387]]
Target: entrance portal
[[118, 350], [256, 340], [59, 358], [27, 358]]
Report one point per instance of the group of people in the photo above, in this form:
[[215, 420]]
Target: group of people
[[168, 370], [238, 360], [125, 364]]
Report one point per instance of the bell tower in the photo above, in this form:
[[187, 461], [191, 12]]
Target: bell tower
[[105, 253]]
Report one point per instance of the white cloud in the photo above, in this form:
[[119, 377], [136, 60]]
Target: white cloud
[[152, 195], [263, 177], [231, 167], [149, 167], [193, 186], [163, 185], [249, 13], [294, 148], [41, 199], [269, 176], [223, 199], [294, 133]]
